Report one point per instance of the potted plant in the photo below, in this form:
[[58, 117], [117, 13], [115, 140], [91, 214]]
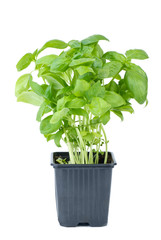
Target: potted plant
[[76, 92]]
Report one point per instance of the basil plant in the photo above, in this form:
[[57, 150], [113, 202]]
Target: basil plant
[[77, 91]]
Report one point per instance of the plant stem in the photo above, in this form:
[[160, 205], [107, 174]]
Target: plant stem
[[98, 147], [72, 161], [106, 150], [90, 153], [82, 146]]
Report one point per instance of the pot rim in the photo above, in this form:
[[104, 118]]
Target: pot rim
[[100, 165]]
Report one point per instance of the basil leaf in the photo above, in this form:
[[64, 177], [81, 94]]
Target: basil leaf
[[126, 108], [47, 127], [54, 44], [37, 88], [54, 80], [79, 112], [76, 103], [22, 84], [62, 101], [42, 110], [81, 61], [119, 114], [136, 54], [24, 62], [65, 90], [98, 106], [105, 117], [74, 44], [84, 69], [110, 69], [97, 51], [137, 82], [114, 56], [46, 60], [95, 91], [57, 137], [30, 97], [59, 115], [114, 99], [93, 39], [81, 87], [61, 64], [112, 86]]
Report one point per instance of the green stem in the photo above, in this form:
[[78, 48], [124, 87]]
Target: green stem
[[90, 153], [117, 74], [72, 161], [106, 150], [82, 146], [98, 147]]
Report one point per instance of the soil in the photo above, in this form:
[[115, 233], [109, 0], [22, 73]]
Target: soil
[[65, 155]]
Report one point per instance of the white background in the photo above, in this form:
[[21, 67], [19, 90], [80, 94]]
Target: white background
[[27, 204]]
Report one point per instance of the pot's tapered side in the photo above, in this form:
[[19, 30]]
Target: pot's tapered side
[[83, 193]]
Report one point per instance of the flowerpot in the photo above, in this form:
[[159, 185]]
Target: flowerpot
[[82, 192]]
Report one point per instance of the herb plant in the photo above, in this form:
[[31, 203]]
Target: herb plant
[[77, 90]]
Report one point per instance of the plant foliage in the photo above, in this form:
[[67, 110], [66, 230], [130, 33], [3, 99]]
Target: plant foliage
[[78, 90]]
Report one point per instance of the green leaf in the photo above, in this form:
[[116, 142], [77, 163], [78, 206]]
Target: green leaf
[[60, 63], [86, 51], [136, 54], [46, 127], [88, 136], [22, 84], [79, 112], [119, 114], [81, 87], [98, 63], [57, 116], [84, 69], [114, 56], [105, 117], [110, 69], [42, 110], [81, 61], [24, 62], [95, 91], [56, 82], [74, 44], [99, 106], [46, 60], [54, 44], [95, 121], [57, 137], [126, 108], [35, 54], [76, 103], [93, 39], [112, 86], [30, 97], [50, 92], [103, 72], [114, 99], [137, 83], [37, 88], [87, 76], [43, 70], [65, 90], [97, 52], [137, 68], [62, 101]]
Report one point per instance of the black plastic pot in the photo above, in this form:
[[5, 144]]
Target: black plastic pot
[[82, 192]]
